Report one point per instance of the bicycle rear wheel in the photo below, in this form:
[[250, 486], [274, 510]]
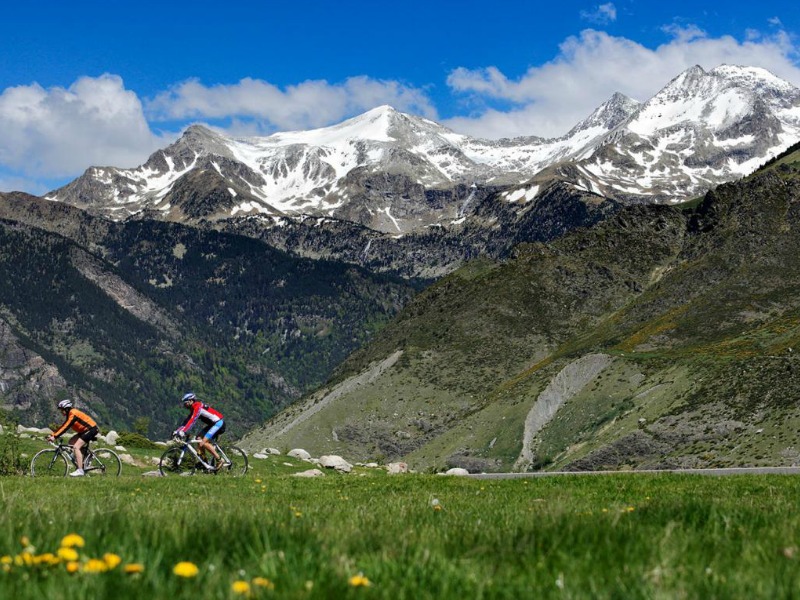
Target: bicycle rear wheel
[[176, 461], [238, 462], [48, 463], [102, 462]]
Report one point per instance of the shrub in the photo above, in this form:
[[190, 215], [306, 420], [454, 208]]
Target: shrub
[[10, 458], [136, 440]]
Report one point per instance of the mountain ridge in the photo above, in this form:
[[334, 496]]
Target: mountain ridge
[[702, 129]]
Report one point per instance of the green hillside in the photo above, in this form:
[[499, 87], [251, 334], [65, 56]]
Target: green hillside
[[661, 337], [127, 317]]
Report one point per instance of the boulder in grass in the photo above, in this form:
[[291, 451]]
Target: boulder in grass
[[457, 471], [33, 431], [310, 473], [112, 437], [396, 468], [299, 453], [335, 462], [260, 456]]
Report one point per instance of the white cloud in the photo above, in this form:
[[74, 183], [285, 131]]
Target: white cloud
[[549, 99], [57, 132], [261, 105], [603, 14]]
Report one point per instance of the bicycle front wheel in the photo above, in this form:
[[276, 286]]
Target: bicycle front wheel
[[237, 459], [103, 462], [177, 461], [48, 463]]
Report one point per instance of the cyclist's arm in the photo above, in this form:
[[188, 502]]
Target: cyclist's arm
[[187, 424], [64, 426]]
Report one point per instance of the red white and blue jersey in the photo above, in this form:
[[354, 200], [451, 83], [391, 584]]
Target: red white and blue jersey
[[201, 411]]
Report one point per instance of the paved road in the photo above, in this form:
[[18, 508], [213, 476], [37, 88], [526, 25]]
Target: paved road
[[715, 472]]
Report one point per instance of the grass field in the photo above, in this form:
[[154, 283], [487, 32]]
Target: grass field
[[370, 535]]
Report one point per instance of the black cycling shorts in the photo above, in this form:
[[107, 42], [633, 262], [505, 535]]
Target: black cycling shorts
[[89, 435]]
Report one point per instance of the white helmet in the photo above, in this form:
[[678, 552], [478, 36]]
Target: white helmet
[[65, 404]]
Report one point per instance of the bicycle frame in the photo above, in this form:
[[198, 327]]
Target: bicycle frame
[[189, 446], [89, 457], [69, 451]]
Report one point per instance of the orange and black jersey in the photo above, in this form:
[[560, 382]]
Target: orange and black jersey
[[78, 420]]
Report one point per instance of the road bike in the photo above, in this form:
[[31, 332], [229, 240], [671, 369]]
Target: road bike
[[184, 459], [54, 462]]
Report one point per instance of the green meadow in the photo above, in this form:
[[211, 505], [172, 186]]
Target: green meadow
[[367, 534]]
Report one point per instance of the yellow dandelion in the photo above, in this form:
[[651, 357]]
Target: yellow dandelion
[[240, 587], [5, 568], [48, 558], [26, 558], [298, 514], [25, 541], [72, 540], [6, 560], [112, 560], [359, 581], [95, 565], [186, 569], [68, 554], [73, 567], [263, 582], [133, 568]]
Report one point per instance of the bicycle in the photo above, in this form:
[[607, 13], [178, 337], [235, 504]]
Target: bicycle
[[54, 462], [184, 459]]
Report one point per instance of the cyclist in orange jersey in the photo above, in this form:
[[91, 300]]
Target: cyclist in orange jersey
[[85, 427]]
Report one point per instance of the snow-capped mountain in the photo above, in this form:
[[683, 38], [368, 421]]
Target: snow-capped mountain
[[702, 129], [396, 173]]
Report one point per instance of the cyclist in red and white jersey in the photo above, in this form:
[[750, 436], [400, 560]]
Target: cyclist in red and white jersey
[[214, 425]]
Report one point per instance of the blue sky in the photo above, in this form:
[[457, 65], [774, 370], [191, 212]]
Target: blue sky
[[107, 83]]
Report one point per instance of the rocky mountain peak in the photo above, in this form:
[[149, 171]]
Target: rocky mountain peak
[[762, 82], [608, 115], [201, 140]]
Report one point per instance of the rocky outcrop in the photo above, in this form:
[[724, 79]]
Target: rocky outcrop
[[27, 381], [569, 381]]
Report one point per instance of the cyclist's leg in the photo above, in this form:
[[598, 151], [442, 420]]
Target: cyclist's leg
[[77, 444], [202, 446], [221, 462], [208, 438], [88, 437], [80, 441]]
